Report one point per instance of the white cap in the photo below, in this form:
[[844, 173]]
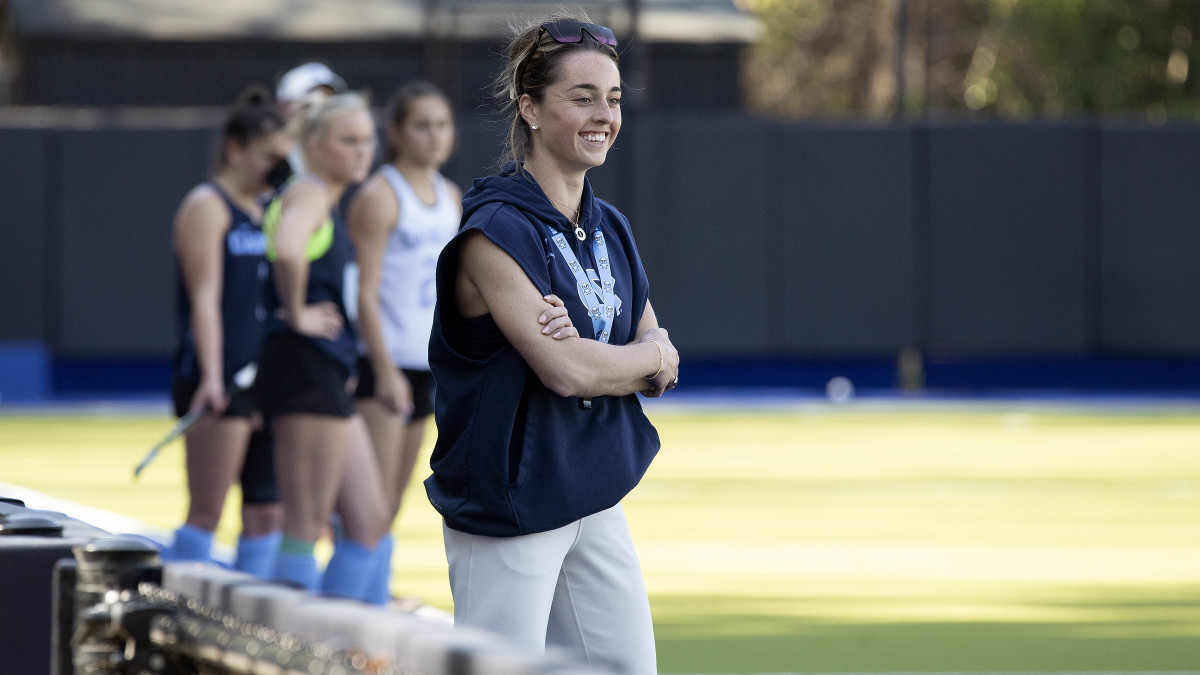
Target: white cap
[[300, 80]]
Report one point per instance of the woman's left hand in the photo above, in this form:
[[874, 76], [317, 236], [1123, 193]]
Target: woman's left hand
[[668, 374], [556, 321]]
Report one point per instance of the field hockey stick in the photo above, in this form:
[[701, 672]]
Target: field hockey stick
[[242, 380]]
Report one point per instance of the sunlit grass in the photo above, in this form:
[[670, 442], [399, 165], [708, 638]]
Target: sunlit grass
[[831, 539], [923, 541]]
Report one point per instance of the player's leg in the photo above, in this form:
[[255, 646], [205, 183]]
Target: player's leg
[[303, 394], [310, 459], [214, 451], [397, 446], [362, 505], [385, 429], [262, 511], [414, 432]]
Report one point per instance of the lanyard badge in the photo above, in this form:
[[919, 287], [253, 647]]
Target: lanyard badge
[[596, 286]]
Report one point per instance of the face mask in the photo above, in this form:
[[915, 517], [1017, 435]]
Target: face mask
[[279, 173]]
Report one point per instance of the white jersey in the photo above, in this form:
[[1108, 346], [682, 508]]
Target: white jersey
[[406, 288]]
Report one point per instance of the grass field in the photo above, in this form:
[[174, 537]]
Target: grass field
[[832, 539]]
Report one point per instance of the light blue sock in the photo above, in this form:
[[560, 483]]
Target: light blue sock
[[295, 564], [378, 591], [348, 571], [191, 543], [256, 555]]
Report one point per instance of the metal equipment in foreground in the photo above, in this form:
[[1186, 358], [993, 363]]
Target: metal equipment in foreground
[[75, 600], [132, 615]]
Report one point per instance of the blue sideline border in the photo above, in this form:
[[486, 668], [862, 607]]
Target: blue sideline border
[[953, 375], [25, 372], [29, 374]]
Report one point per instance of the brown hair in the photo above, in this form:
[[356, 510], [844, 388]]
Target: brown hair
[[531, 64], [253, 116], [400, 105]]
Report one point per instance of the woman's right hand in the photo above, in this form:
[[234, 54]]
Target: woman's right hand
[[210, 396], [321, 319], [394, 392], [668, 375], [556, 322]]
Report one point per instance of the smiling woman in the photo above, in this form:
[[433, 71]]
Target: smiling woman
[[540, 440]]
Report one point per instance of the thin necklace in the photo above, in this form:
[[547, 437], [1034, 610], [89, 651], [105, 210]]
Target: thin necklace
[[574, 218], [579, 233]]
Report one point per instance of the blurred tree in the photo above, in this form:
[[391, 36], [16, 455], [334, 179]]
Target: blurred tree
[[822, 56], [1100, 56], [1013, 58]]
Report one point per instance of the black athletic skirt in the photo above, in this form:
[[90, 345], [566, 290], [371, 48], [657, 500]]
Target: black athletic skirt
[[295, 376]]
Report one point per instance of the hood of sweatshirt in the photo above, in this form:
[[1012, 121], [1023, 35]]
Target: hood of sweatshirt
[[520, 190]]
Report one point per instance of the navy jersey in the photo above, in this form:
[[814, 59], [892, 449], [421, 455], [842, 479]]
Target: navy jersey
[[513, 457], [332, 276], [243, 317]]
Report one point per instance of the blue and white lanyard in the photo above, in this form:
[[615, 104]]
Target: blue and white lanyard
[[595, 291]]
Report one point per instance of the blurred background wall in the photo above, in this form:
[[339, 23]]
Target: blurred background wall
[[959, 194]]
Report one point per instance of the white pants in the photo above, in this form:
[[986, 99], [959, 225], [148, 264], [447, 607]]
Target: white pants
[[578, 588]]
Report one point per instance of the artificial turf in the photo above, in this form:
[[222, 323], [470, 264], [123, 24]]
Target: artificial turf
[[829, 538]]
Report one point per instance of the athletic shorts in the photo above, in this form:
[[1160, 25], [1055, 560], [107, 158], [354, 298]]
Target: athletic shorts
[[241, 404], [420, 380], [258, 469], [296, 377]]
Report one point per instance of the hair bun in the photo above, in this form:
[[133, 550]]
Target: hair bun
[[254, 95]]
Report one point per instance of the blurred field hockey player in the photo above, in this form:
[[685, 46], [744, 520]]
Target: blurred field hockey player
[[308, 367], [221, 255], [399, 221]]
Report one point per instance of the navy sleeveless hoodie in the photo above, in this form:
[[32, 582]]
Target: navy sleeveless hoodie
[[243, 317], [513, 457]]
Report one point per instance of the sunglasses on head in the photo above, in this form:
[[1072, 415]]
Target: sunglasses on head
[[572, 31]]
